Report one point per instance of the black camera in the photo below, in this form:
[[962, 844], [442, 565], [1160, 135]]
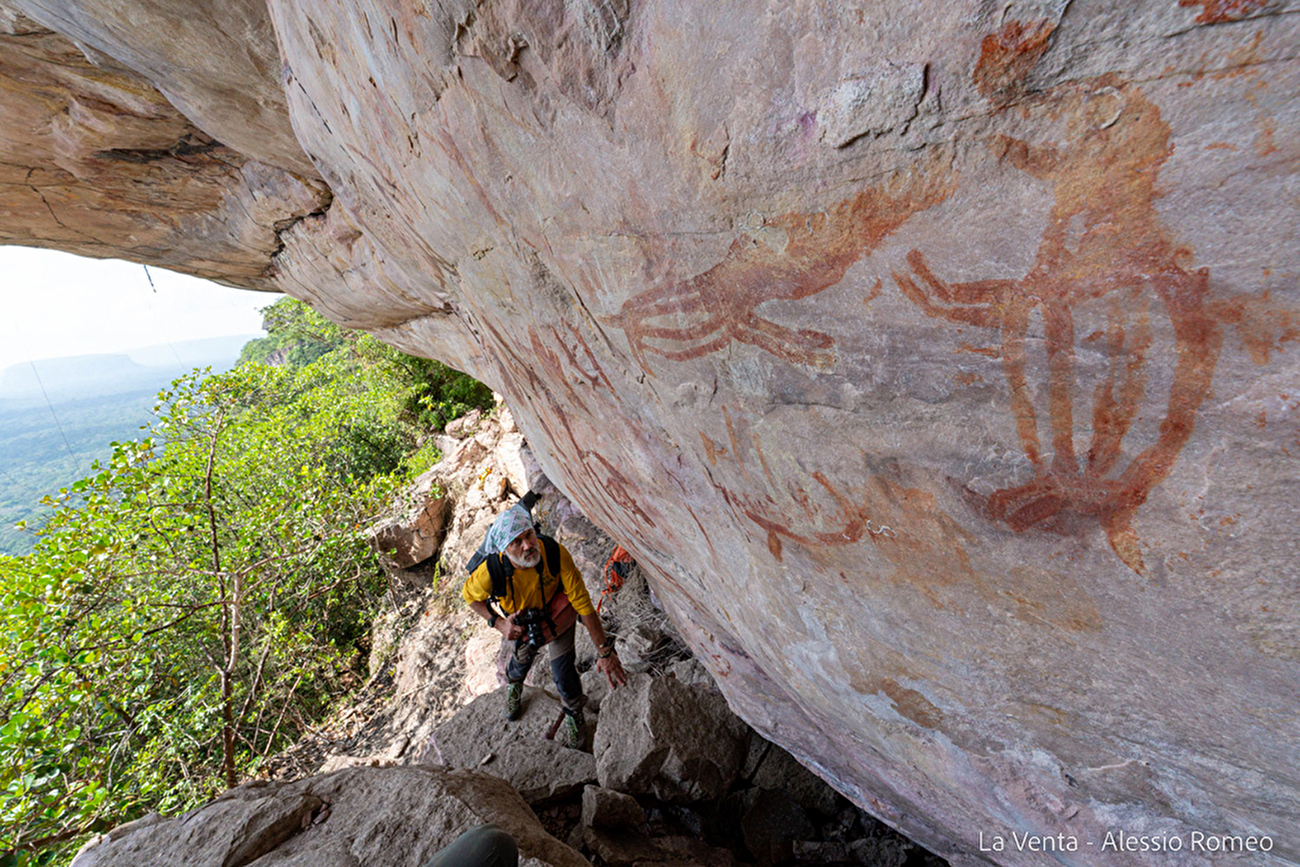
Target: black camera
[[532, 620]]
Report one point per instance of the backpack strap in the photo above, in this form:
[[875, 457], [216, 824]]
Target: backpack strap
[[499, 570], [552, 549]]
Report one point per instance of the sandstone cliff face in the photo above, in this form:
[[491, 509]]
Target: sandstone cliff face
[[937, 365]]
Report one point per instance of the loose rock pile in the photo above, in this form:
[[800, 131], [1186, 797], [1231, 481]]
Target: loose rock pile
[[674, 778], [396, 817]]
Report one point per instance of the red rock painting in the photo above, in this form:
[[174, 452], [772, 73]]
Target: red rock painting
[[1219, 11], [691, 318], [1105, 243]]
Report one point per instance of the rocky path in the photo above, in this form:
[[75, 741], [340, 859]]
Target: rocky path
[[668, 776]]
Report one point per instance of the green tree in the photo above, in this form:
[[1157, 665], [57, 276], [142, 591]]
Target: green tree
[[296, 335], [191, 606], [194, 604]]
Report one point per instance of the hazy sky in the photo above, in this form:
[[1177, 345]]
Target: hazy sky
[[55, 304]]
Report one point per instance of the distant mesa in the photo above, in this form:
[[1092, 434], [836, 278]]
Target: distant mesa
[[97, 375]]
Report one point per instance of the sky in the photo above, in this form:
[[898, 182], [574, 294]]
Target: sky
[[55, 304]]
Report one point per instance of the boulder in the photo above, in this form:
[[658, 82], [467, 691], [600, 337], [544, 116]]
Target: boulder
[[479, 737], [397, 816], [413, 536], [510, 458], [883, 851], [606, 808], [595, 686], [465, 426], [623, 848], [637, 646], [661, 737], [691, 671]]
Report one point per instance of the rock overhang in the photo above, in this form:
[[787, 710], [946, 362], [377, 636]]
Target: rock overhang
[[937, 367]]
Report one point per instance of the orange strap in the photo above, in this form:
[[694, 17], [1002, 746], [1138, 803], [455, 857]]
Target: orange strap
[[613, 578]]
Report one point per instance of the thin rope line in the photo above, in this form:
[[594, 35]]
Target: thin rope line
[[67, 445]]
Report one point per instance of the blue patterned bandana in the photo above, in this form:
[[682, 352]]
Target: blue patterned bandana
[[507, 527]]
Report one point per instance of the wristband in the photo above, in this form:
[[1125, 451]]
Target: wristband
[[605, 651]]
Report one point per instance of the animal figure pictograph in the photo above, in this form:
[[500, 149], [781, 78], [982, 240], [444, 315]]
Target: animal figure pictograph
[[690, 318], [1104, 243]]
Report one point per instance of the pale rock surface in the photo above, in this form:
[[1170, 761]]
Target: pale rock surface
[[962, 454], [662, 737], [479, 737], [397, 817]]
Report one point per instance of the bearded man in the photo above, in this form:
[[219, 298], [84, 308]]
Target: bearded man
[[528, 589]]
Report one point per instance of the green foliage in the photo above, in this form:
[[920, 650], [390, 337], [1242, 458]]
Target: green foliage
[[296, 335], [201, 598]]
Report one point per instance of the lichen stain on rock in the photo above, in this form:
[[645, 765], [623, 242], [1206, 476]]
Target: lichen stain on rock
[[1221, 11], [690, 318], [1007, 56]]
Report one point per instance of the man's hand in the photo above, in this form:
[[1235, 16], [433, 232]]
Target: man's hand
[[506, 626], [608, 665], [613, 670]]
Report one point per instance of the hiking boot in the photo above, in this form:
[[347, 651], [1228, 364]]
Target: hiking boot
[[514, 701], [573, 729]]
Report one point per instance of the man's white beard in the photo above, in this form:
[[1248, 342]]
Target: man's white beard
[[527, 562]]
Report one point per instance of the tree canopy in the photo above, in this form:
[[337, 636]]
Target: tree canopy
[[196, 602]]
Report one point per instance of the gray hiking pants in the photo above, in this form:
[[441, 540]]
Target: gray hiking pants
[[564, 670]]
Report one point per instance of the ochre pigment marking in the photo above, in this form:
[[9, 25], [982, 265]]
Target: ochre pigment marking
[[1007, 56], [857, 522], [911, 704], [874, 293], [1265, 139], [904, 524], [615, 487], [1261, 325], [1040, 597], [691, 318], [595, 379], [712, 449], [1104, 179], [1220, 11]]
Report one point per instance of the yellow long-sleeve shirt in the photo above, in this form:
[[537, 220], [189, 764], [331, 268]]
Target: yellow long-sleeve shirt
[[531, 588]]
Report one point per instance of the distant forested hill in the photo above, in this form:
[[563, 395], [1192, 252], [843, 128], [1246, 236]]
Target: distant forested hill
[[93, 400]]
